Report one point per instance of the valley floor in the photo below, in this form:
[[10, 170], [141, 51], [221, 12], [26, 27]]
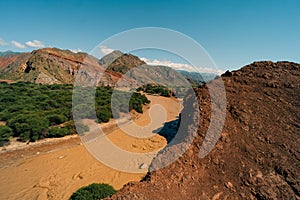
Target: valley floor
[[56, 168]]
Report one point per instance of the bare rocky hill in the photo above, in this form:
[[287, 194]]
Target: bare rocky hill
[[258, 154], [52, 65], [56, 66], [8, 57], [124, 63]]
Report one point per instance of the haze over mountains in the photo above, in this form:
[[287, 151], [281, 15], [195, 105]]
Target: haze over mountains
[[8, 53], [56, 66]]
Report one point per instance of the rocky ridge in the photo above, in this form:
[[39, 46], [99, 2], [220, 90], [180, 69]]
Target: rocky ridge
[[56, 66], [257, 155]]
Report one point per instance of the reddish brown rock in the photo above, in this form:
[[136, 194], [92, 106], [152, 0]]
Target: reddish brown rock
[[258, 154]]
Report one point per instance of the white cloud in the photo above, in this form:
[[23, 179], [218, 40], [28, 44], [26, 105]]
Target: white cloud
[[17, 44], [3, 43], [76, 50], [35, 44], [105, 50], [181, 66]]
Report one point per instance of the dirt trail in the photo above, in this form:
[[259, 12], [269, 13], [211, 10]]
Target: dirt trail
[[55, 169]]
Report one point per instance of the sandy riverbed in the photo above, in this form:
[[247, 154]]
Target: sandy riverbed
[[54, 169]]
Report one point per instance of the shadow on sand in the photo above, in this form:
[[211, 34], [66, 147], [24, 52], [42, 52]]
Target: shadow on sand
[[168, 130]]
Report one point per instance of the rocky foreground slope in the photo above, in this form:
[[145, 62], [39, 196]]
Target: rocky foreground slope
[[258, 154]]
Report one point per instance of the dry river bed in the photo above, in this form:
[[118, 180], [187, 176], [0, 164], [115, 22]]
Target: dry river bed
[[55, 168]]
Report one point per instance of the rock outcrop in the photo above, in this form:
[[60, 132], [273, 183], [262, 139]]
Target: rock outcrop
[[257, 155], [54, 66], [124, 63]]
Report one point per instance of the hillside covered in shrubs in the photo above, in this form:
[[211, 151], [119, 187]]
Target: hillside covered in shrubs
[[33, 111]]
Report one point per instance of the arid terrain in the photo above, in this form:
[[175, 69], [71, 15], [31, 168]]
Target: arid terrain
[[58, 167], [150, 100], [257, 156]]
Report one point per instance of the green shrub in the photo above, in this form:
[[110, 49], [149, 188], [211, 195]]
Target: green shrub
[[84, 111], [56, 119], [58, 132], [5, 133], [28, 127], [94, 191], [156, 89], [103, 113]]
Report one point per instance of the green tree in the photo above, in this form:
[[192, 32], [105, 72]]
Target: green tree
[[103, 113], [58, 132], [28, 127], [56, 119], [5, 133]]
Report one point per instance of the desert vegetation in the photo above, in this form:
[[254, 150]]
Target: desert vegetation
[[156, 89], [35, 111], [93, 191]]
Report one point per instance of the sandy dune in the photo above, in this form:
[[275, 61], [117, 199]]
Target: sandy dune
[[55, 169]]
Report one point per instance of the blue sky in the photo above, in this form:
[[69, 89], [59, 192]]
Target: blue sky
[[233, 32]]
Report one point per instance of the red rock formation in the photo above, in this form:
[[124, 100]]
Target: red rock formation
[[257, 156]]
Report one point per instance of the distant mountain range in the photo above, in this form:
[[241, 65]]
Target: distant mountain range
[[56, 66], [196, 77], [8, 53]]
